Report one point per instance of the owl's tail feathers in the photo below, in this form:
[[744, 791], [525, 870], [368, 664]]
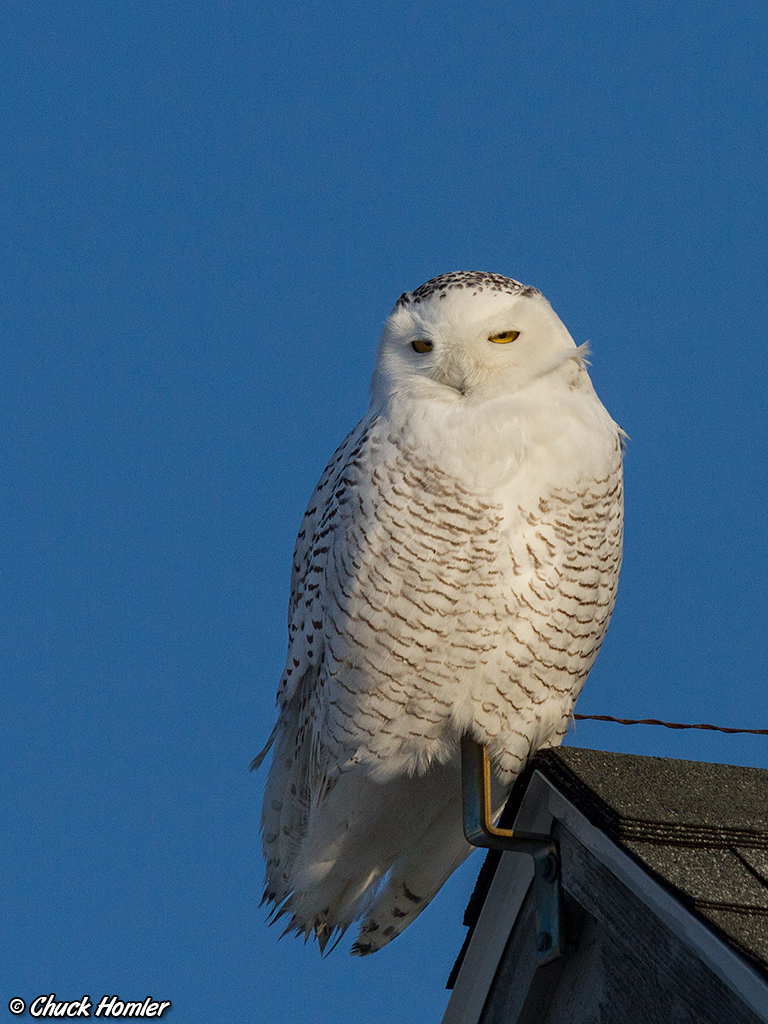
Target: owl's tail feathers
[[328, 848], [416, 877], [330, 851], [349, 846], [326, 924], [414, 880]]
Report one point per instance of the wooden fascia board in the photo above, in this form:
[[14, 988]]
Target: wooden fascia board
[[500, 909]]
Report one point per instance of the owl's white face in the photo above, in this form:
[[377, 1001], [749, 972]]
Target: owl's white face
[[469, 335]]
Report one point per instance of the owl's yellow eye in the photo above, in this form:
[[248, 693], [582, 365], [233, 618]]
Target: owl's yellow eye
[[422, 345], [505, 337]]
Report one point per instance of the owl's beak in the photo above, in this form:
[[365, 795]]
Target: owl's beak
[[455, 373]]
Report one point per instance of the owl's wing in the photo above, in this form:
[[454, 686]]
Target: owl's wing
[[324, 514], [327, 508]]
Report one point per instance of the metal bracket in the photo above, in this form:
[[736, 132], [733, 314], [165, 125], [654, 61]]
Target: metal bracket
[[480, 831]]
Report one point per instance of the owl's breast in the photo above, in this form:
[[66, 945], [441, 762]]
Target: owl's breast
[[450, 607]]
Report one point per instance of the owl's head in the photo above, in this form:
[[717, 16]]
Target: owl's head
[[470, 335]]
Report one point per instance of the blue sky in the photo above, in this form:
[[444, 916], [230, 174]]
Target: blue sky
[[208, 210]]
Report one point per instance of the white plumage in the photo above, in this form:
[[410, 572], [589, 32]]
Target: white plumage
[[455, 572]]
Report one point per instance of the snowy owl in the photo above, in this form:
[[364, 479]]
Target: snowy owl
[[454, 573]]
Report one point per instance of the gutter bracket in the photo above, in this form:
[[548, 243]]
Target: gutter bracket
[[545, 850]]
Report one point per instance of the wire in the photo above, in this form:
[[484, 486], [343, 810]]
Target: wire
[[668, 725]]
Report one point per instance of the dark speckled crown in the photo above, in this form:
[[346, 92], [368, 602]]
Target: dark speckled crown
[[475, 281]]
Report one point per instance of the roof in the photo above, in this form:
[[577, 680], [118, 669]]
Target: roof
[[699, 829]]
